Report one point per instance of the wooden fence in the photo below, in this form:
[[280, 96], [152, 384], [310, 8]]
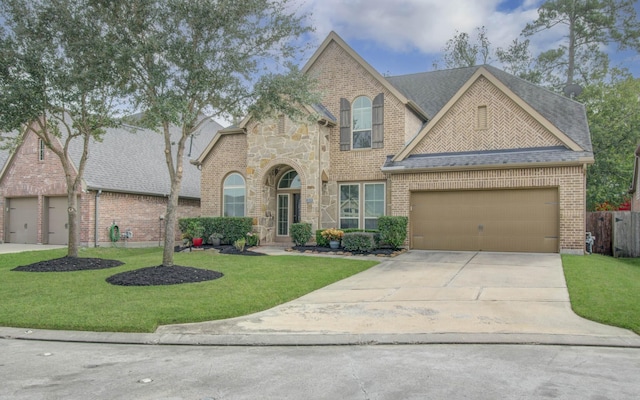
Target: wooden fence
[[617, 233]]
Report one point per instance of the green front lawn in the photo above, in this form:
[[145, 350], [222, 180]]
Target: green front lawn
[[605, 289], [83, 300]]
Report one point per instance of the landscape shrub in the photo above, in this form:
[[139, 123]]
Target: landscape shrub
[[320, 240], [358, 241], [393, 230], [252, 239], [301, 233], [231, 228]]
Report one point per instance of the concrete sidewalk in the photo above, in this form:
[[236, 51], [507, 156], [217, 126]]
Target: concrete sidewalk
[[417, 297], [19, 248]]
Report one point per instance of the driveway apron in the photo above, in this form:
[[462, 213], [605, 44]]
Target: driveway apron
[[423, 292]]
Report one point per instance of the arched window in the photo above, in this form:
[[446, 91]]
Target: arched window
[[290, 180], [233, 196], [361, 127]]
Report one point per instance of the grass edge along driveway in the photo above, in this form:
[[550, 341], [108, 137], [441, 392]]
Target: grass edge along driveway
[[605, 289], [83, 300]]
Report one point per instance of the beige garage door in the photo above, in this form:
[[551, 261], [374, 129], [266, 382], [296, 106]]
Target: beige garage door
[[57, 220], [525, 220], [23, 220]]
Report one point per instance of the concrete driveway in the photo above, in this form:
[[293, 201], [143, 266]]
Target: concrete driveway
[[490, 295]]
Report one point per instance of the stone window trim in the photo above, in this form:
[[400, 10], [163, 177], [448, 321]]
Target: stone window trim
[[357, 204], [234, 186], [348, 112]]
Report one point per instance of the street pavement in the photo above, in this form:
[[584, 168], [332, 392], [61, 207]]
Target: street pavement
[[416, 297]]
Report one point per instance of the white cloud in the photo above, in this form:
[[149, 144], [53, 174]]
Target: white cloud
[[423, 25]]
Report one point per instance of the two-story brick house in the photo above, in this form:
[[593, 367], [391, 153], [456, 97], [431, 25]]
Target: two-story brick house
[[125, 183], [476, 158]]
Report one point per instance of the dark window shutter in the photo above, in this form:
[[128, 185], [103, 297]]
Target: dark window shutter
[[345, 125], [377, 128]]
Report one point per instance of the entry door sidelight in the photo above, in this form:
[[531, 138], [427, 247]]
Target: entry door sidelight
[[283, 214]]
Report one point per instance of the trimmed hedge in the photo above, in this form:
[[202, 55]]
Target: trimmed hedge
[[393, 230], [300, 233], [231, 228], [358, 241], [321, 241]]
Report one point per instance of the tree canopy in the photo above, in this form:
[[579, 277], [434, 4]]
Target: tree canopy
[[192, 60], [58, 81]]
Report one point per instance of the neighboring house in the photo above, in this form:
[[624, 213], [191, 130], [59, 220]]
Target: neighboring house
[[476, 158], [126, 183]]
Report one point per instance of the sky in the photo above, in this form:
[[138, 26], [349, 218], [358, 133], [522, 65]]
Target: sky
[[406, 36]]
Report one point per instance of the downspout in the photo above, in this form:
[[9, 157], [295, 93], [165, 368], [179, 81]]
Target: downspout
[[97, 214]]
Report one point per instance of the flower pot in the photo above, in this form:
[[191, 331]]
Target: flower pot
[[334, 244], [215, 242], [197, 242]]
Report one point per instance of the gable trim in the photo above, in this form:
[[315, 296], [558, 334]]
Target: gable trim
[[482, 71], [333, 37], [212, 143]]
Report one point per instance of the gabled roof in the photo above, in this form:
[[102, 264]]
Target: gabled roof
[[131, 160], [437, 91], [334, 38]]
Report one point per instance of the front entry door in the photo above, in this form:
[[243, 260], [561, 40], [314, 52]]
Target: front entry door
[[288, 212]]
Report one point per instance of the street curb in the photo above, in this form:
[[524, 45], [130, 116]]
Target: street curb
[[319, 339]]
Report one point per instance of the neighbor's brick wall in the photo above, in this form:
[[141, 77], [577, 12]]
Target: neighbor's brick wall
[[569, 180], [26, 176], [139, 213], [228, 155]]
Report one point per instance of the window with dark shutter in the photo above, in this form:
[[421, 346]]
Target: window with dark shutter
[[345, 125], [378, 122]]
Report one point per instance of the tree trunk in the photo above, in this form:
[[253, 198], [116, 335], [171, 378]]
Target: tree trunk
[[170, 225], [72, 201]]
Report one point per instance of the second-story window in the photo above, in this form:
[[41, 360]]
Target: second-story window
[[361, 123]]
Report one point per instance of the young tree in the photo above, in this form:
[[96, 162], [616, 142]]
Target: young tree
[[588, 26], [193, 60], [462, 51], [56, 81], [613, 110]]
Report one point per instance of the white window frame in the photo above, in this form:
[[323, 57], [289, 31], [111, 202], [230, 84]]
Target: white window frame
[[224, 197], [354, 113], [361, 211]]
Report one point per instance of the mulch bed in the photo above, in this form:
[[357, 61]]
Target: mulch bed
[[67, 264], [224, 249], [382, 252], [161, 275]]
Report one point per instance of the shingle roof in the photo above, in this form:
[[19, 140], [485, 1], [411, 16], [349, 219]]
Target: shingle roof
[[132, 160], [432, 90], [490, 158]]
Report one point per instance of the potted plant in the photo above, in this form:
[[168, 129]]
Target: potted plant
[[215, 238], [333, 236], [193, 233]]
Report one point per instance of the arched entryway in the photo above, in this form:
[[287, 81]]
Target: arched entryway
[[288, 203]]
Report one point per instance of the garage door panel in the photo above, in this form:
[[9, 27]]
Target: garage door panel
[[23, 220], [491, 220]]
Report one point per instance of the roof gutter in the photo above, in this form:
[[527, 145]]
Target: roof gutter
[[404, 170]]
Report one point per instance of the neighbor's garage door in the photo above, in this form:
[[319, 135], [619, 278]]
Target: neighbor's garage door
[[524, 220], [57, 220], [23, 220]]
